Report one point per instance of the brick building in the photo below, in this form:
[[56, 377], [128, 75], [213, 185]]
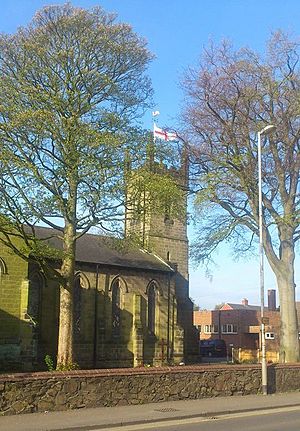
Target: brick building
[[239, 324]]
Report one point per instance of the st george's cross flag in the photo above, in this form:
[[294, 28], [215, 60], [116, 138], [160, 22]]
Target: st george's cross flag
[[163, 134]]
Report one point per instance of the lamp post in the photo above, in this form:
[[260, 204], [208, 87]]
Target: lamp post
[[264, 375]]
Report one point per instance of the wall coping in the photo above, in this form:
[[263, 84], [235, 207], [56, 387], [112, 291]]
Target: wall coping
[[61, 375]]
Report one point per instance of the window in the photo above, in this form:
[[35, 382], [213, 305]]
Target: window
[[211, 329], [199, 328], [168, 220], [77, 306], [229, 328], [116, 308], [36, 283], [269, 335], [81, 283], [3, 269], [151, 307]]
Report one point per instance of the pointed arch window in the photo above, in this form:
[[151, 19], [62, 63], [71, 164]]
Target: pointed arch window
[[80, 282], [152, 299], [116, 307], [168, 219], [77, 305], [36, 284], [3, 269]]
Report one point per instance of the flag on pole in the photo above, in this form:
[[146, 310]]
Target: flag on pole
[[155, 113], [163, 134]]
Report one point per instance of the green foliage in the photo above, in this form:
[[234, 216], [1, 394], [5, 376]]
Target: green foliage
[[248, 361], [74, 86], [49, 362], [68, 116], [73, 89], [69, 366], [156, 192]]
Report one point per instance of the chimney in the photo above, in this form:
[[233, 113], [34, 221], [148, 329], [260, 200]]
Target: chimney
[[271, 299], [245, 301]]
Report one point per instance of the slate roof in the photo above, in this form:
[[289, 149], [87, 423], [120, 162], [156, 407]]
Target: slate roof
[[103, 250], [243, 307]]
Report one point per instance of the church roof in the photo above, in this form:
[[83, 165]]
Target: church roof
[[103, 250]]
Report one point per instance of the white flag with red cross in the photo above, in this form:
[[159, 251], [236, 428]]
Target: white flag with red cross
[[159, 133]]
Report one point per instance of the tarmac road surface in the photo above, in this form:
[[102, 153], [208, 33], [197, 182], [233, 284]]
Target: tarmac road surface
[[281, 419]]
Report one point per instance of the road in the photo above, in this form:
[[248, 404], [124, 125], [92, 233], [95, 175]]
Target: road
[[280, 419], [277, 412]]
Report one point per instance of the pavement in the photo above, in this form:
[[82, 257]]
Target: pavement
[[111, 417]]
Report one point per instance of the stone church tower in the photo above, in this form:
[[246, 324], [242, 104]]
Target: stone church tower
[[167, 238], [159, 233]]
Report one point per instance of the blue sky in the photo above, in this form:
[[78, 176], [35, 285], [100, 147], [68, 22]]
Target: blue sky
[[176, 32]]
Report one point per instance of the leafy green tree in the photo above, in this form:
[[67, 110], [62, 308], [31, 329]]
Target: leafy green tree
[[73, 83], [230, 97]]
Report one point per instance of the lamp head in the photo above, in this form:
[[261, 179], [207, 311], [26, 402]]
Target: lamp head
[[267, 129]]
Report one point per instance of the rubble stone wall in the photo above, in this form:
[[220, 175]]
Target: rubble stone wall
[[54, 391]]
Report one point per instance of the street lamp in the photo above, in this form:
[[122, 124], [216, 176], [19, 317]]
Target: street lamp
[[264, 375]]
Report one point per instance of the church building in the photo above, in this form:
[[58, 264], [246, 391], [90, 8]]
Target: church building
[[131, 304]]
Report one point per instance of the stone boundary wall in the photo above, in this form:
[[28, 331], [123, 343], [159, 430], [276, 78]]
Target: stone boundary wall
[[53, 391]]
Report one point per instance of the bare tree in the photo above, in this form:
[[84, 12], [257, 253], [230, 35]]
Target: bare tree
[[230, 97]]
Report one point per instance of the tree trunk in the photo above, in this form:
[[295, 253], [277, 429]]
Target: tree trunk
[[289, 339], [65, 334]]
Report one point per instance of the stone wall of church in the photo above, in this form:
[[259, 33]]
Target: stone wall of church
[[29, 316], [15, 328], [172, 249], [98, 344]]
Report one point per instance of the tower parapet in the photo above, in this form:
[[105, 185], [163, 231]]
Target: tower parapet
[[161, 233]]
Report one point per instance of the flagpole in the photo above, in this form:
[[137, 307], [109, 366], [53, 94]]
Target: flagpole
[[154, 114]]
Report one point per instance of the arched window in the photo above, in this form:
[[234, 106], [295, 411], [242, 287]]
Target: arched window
[[168, 220], [36, 284], [77, 305], [152, 299], [3, 269], [81, 282], [116, 307]]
